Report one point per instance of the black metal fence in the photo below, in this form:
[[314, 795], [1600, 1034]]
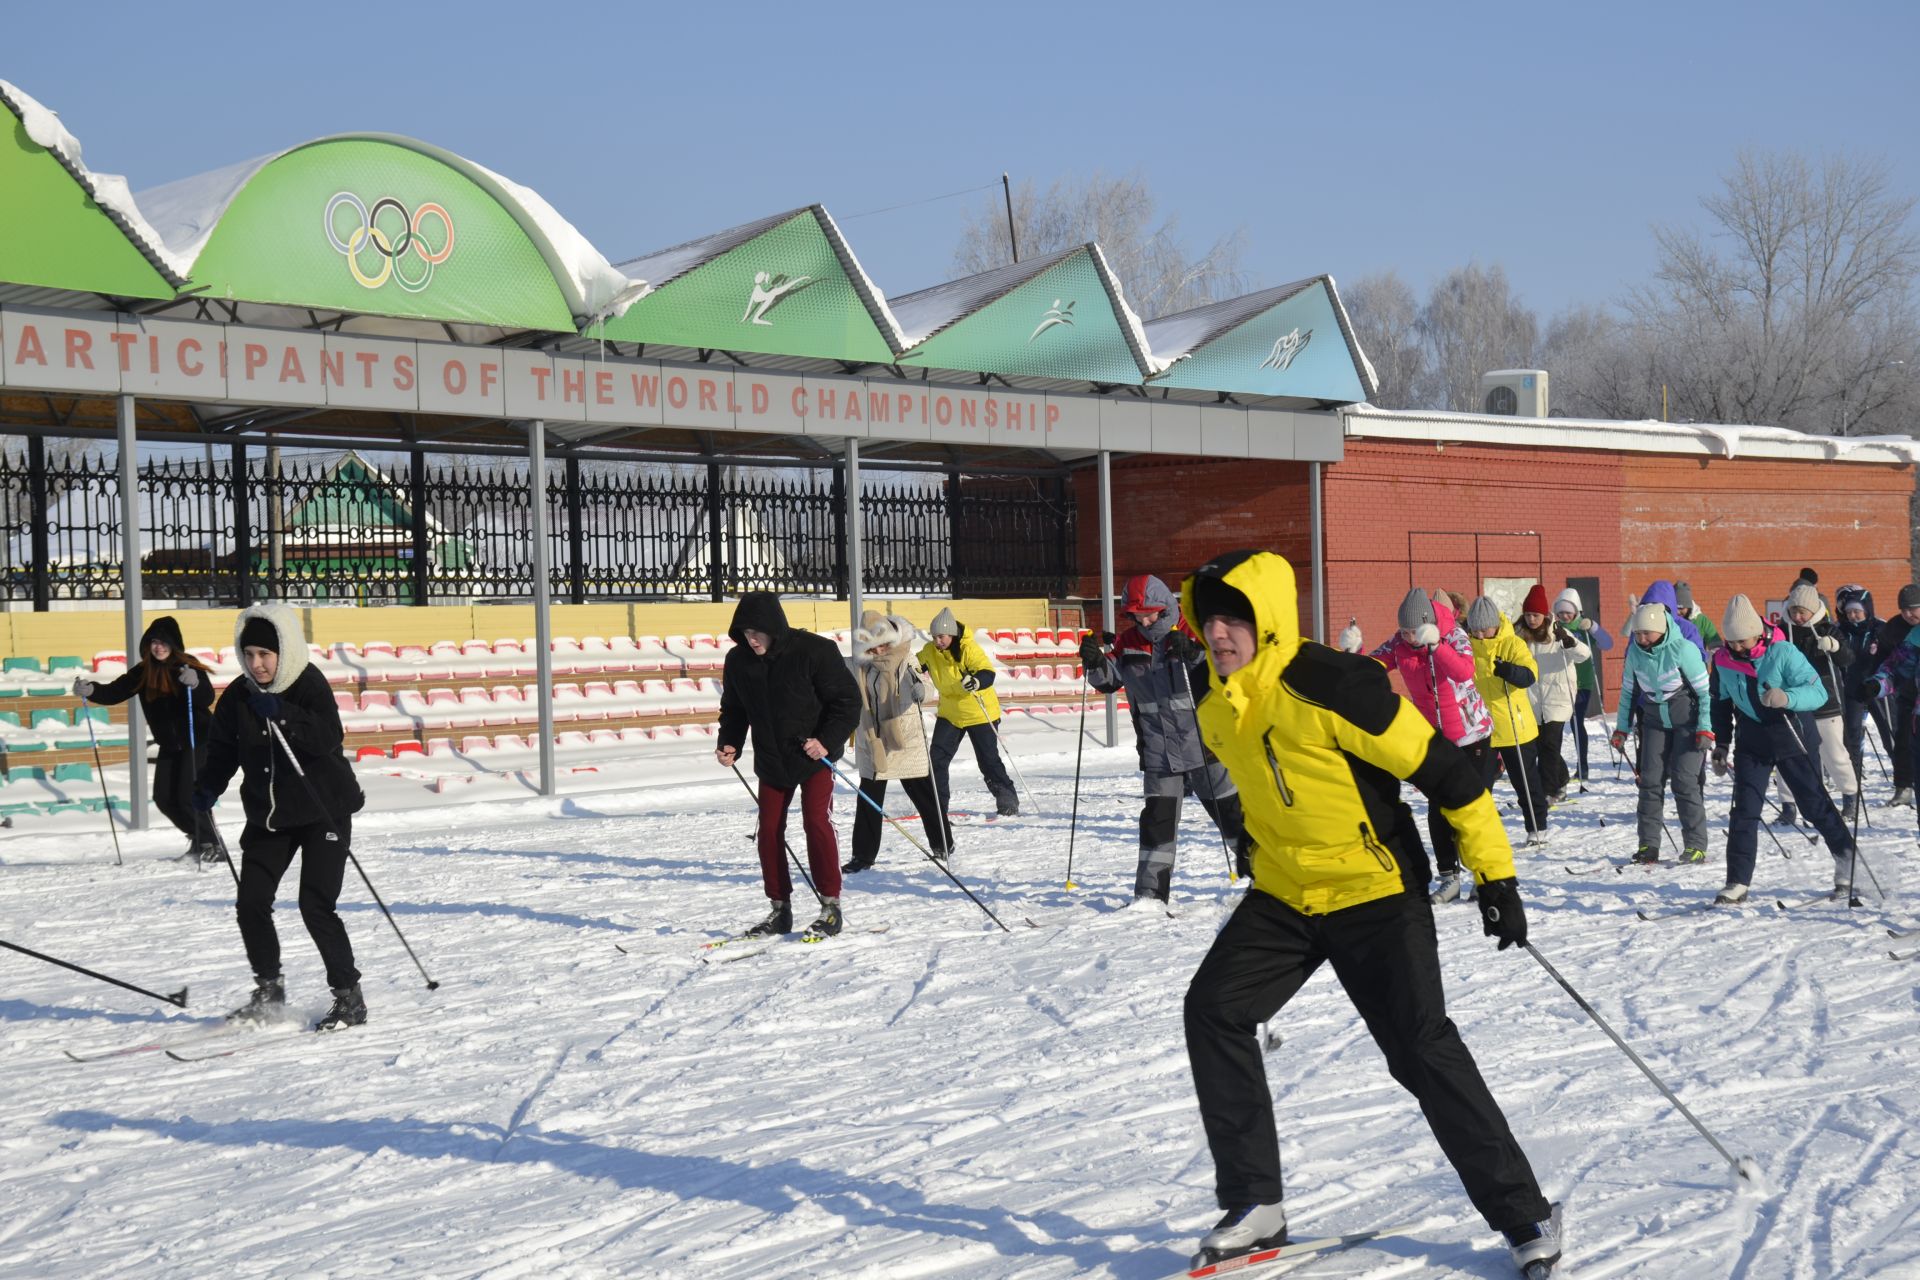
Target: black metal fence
[[344, 527]]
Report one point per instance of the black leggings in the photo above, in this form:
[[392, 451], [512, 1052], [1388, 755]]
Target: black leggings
[[173, 779]]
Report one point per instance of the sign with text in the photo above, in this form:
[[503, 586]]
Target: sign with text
[[108, 353]]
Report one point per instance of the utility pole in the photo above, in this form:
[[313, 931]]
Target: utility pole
[[1007, 190]]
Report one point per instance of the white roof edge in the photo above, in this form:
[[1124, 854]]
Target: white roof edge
[[1646, 436], [109, 190], [1371, 378], [1129, 321], [863, 283]]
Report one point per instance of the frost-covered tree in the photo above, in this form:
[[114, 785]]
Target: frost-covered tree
[[1473, 322], [1146, 252], [1386, 322]]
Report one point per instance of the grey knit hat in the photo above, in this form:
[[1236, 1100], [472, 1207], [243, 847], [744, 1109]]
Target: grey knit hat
[[945, 624], [1742, 621], [1482, 613], [1683, 596], [1416, 610]]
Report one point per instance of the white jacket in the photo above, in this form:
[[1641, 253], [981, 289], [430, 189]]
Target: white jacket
[[1553, 693]]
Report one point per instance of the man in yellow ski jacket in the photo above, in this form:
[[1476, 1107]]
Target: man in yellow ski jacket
[[969, 708], [1318, 744]]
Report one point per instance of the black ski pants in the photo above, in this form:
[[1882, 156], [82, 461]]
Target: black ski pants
[[1523, 775], [1900, 707], [1446, 854], [986, 753], [265, 857], [1751, 772], [1581, 701], [1385, 957], [1553, 762], [1856, 714], [173, 778], [867, 822]]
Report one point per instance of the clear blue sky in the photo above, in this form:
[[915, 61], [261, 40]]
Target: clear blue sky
[[1346, 138]]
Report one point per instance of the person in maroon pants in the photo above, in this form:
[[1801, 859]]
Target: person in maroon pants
[[792, 691]]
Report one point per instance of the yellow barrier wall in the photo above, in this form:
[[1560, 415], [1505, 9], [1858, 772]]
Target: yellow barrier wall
[[46, 635]]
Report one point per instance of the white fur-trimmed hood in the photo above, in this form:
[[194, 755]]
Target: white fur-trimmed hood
[[294, 657]]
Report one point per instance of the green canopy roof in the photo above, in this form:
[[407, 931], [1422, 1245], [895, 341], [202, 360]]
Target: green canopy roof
[[1057, 316], [54, 232], [784, 285]]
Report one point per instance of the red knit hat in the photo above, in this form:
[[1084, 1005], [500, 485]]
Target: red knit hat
[[1536, 601]]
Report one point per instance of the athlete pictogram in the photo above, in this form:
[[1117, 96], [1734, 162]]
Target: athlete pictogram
[[769, 291], [1055, 315], [1289, 346], [376, 241]]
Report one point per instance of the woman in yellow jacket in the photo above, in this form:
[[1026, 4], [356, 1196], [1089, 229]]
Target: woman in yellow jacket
[[969, 708], [1318, 744], [1503, 670]]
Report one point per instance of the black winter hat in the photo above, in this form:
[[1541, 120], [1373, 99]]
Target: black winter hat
[[1808, 575], [1213, 598], [1910, 596], [260, 633]]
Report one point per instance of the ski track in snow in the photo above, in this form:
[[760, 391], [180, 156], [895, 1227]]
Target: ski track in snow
[[939, 1100]]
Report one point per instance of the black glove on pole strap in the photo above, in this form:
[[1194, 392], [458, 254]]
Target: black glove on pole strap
[[1501, 915], [273, 726]]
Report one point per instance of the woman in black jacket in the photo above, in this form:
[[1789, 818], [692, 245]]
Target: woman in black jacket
[[281, 706], [173, 685]]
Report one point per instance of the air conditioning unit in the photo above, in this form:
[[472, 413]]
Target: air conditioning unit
[[1515, 392]]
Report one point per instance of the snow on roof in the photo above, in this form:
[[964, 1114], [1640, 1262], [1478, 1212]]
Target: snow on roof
[[109, 190], [862, 282], [1185, 332], [1645, 436], [925, 312], [186, 211], [663, 266]]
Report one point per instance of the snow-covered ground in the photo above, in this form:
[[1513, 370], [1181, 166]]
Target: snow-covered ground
[[942, 1099]]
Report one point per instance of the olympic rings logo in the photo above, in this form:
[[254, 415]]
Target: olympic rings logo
[[376, 242]]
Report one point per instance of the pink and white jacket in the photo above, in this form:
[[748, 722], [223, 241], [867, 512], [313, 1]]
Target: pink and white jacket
[[1459, 712]]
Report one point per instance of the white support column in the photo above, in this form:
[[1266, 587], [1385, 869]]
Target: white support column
[[542, 597], [1106, 579], [856, 560], [1316, 520], [130, 509]]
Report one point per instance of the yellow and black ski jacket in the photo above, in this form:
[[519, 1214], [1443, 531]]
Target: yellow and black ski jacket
[[1317, 742]]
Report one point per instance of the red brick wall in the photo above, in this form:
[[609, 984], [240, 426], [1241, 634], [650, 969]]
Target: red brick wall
[[1172, 515]]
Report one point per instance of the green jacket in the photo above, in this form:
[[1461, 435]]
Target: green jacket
[[1709, 634]]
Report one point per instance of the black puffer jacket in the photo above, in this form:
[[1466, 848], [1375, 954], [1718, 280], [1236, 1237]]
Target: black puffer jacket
[[166, 714], [270, 789], [1830, 667], [800, 689]]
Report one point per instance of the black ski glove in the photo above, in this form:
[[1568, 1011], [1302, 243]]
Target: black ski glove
[[203, 800], [1500, 913], [263, 704], [1092, 652], [1513, 673], [1182, 647], [1567, 638]]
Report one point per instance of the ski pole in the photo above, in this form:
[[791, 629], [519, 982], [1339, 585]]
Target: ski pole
[[1001, 744], [1745, 1168], [178, 998], [783, 838], [281, 738], [1079, 751], [193, 782], [100, 772], [1525, 788], [881, 810], [1212, 799]]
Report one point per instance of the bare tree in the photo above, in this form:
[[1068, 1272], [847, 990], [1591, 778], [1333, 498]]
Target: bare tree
[[1797, 308], [1603, 366], [1386, 323], [1159, 275], [1472, 323]]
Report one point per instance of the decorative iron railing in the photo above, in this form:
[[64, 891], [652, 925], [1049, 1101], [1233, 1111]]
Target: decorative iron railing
[[340, 528]]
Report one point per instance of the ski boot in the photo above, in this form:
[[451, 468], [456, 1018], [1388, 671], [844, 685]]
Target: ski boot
[[1694, 855], [1647, 854], [349, 1010], [1241, 1231], [1446, 889], [1007, 809], [211, 853], [779, 920], [1789, 815], [1733, 895], [1850, 808], [828, 925], [1535, 1246], [854, 867], [268, 1001], [1536, 839], [1901, 796]]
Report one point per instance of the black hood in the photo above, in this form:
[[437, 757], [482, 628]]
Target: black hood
[[165, 630], [761, 611], [1847, 595]]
